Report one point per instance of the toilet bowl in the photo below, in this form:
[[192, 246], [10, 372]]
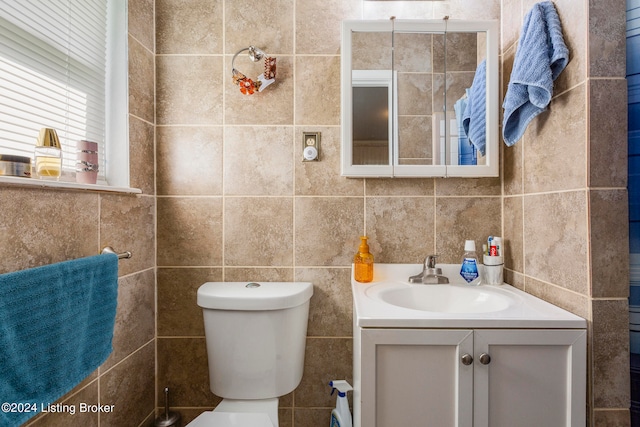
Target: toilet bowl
[[240, 413], [255, 335]]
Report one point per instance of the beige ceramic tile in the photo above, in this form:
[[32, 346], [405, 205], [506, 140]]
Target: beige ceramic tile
[[272, 106], [312, 417], [88, 395], [610, 353], [609, 243], [189, 160], [415, 139], [400, 187], [140, 22], [371, 50], [462, 52], [267, 25], [572, 302], [257, 161], [318, 24], [515, 279], [555, 151], [141, 155], [37, 229], [407, 58], [468, 187], [513, 168], [135, 316], [464, 218], [322, 178], [141, 81], [258, 231], [511, 23], [607, 38], [457, 83], [259, 274], [325, 359], [190, 231], [556, 240], [317, 94], [467, 9], [401, 10], [285, 417], [132, 395], [415, 94], [178, 310], [608, 133], [513, 248], [193, 27], [611, 418], [127, 224], [188, 387], [189, 89], [327, 230], [574, 20], [330, 309], [400, 229]]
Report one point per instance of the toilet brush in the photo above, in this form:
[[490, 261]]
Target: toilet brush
[[168, 419]]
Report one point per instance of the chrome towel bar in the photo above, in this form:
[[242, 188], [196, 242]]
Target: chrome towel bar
[[109, 250]]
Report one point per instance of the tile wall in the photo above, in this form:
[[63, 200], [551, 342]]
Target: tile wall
[[565, 200], [234, 201], [37, 229]]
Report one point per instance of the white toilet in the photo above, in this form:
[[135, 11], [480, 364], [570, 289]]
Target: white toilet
[[255, 335]]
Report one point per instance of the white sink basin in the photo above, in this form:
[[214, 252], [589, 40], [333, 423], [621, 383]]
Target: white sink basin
[[442, 298], [390, 301]]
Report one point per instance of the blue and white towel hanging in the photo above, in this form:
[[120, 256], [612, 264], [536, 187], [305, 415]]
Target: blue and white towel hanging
[[540, 58]]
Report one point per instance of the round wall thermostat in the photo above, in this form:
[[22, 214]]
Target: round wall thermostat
[[310, 153]]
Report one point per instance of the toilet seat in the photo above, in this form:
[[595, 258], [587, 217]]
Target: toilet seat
[[231, 419]]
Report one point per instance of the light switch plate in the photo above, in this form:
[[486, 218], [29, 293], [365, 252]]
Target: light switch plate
[[310, 146]]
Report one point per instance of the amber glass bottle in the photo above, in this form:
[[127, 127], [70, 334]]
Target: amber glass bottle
[[363, 263]]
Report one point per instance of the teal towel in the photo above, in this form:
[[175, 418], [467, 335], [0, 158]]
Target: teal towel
[[56, 327]]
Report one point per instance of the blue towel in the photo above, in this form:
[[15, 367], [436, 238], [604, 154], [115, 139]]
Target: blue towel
[[466, 150], [56, 327], [474, 118], [540, 58]]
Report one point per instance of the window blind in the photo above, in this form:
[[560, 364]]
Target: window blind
[[53, 67]]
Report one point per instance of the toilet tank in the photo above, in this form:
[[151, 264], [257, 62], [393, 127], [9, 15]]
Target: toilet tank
[[256, 335]]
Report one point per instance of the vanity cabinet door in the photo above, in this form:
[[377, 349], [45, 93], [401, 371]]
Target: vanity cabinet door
[[529, 378], [414, 377]]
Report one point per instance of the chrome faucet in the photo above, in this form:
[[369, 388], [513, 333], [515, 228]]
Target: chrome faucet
[[430, 274]]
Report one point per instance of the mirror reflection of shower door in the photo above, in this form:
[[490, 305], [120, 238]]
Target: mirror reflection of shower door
[[372, 99], [372, 130]]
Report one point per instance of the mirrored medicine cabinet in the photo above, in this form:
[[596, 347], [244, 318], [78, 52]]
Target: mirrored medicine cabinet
[[409, 87]]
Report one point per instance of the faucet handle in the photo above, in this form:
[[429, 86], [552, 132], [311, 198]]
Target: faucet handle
[[430, 261]]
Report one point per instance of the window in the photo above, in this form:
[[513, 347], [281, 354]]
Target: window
[[63, 65]]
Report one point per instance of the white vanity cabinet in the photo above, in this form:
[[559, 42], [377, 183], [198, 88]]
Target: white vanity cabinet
[[469, 377]]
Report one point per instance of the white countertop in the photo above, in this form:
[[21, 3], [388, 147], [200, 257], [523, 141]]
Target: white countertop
[[524, 310]]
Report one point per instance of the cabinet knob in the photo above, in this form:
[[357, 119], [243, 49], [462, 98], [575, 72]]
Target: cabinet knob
[[467, 359], [485, 359]]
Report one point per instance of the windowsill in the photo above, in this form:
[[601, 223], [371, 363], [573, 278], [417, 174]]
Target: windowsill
[[67, 185]]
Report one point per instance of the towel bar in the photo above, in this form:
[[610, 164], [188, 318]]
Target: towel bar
[[109, 250]]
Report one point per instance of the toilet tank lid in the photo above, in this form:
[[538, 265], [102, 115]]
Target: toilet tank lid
[[253, 295]]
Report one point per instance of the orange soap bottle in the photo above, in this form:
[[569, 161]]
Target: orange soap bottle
[[363, 263]]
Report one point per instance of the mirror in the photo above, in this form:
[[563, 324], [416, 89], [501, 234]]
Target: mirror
[[406, 90]]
